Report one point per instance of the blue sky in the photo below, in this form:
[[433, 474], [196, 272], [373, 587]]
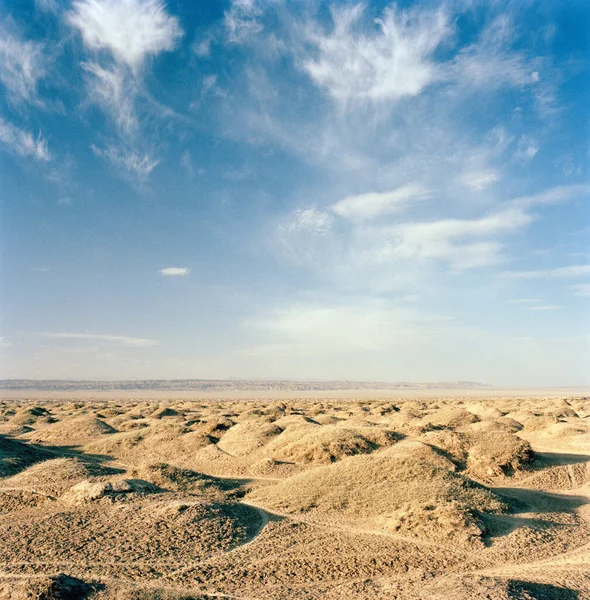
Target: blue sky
[[295, 190]]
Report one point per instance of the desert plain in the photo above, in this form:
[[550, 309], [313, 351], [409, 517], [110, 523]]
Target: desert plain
[[470, 494]]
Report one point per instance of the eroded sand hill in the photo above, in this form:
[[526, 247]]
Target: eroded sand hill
[[386, 498]]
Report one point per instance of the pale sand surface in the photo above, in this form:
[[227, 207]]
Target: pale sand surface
[[484, 392], [449, 494]]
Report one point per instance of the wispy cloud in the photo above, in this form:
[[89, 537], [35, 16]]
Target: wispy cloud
[[23, 64], [554, 195], [544, 307], [458, 241], [241, 21], [23, 143], [568, 272], [121, 340], [113, 90], [120, 37], [477, 181], [488, 64], [365, 207], [523, 301], [355, 67], [202, 47], [526, 149], [307, 220], [174, 271], [127, 161], [47, 6]]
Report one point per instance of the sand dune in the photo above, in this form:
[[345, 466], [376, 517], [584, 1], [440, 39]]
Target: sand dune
[[284, 498]]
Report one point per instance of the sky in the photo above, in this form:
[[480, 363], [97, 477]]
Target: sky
[[301, 190]]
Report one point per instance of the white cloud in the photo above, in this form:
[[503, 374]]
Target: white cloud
[[568, 164], [571, 271], [115, 91], [242, 21], [121, 340], [174, 271], [391, 63], [523, 301], [477, 181], [489, 65], [202, 47], [22, 65], [186, 162], [121, 35], [452, 240], [370, 206], [544, 307], [131, 30], [309, 220], [22, 142], [554, 195], [48, 6], [337, 329], [526, 149], [128, 161]]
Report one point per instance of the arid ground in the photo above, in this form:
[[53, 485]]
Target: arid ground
[[134, 497]]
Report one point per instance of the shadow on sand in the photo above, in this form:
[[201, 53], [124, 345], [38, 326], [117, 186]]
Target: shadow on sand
[[539, 591]]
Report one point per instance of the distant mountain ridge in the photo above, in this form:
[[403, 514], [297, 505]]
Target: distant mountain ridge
[[206, 385]]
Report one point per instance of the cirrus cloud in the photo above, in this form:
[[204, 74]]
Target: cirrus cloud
[[122, 340]]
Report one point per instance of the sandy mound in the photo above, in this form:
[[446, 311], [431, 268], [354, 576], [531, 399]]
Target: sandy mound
[[16, 456], [454, 446], [54, 476], [561, 477], [412, 410], [214, 427], [122, 591], [55, 587], [532, 421], [161, 442], [295, 421], [484, 453], [171, 478], [573, 434], [404, 488], [27, 417], [11, 500], [242, 439], [143, 535], [503, 424], [164, 412], [477, 587], [497, 453], [484, 411], [320, 444], [365, 499], [451, 417], [69, 432], [120, 489], [326, 419]]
